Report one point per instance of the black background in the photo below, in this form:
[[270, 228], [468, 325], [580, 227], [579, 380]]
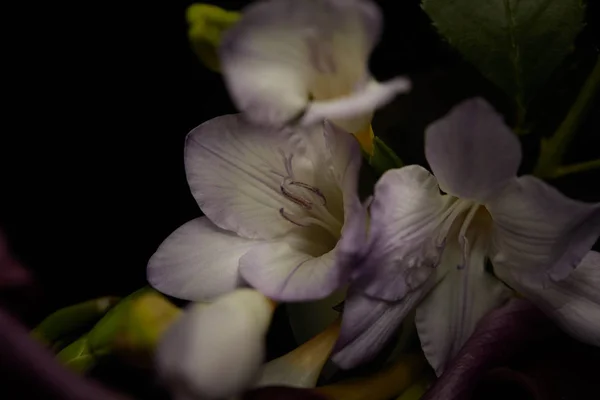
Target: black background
[[102, 96]]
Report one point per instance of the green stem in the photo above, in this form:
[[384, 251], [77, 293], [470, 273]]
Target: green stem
[[553, 148], [575, 168]]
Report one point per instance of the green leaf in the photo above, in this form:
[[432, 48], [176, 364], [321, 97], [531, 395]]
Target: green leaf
[[516, 44]]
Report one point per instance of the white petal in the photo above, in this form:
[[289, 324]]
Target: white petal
[[471, 151], [573, 303], [216, 351], [448, 315], [406, 214], [285, 273], [353, 112], [540, 231], [198, 261], [283, 52], [235, 171]]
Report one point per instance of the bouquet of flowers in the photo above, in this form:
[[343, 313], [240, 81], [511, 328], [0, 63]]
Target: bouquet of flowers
[[399, 280]]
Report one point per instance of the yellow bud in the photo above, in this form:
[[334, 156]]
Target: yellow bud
[[207, 24]]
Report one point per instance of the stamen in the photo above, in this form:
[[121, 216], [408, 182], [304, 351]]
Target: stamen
[[288, 217], [312, 189], [302, 202]]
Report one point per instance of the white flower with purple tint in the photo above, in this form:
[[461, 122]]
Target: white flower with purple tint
[[275, 208], [450, 243], [289, 61]]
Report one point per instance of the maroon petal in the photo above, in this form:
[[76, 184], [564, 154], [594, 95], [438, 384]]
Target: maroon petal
[[499, 337]]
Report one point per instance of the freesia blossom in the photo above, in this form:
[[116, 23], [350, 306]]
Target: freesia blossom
[[275, 207], [215, 351], [454, 243], [290, 61]]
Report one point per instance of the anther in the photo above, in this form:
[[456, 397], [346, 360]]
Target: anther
[[312, 189]]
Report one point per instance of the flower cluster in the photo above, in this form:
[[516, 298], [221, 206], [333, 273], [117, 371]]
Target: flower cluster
[[278, 186]]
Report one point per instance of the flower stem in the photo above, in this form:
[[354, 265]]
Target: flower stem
[[575, 168], [553, 148]]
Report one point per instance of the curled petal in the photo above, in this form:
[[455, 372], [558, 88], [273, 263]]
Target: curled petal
[[354, 111], [198, 261], [541, 232], [471, 151], [287, 274], [574, 303], [284, 53], [215, 351], [302, 366], [402, 250]]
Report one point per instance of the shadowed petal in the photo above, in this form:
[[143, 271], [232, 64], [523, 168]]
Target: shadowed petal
[[448, 315], [215, 351], [574, 303], [369, 324], [198, 261], [285, 273], [471, 151], [539, 231], [406, 214]]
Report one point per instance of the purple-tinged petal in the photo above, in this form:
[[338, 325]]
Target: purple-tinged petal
[[539, 231], [406, 213], [499, 337], [448, 315], [283, 53], [198, 261], [215, 351], [471, 151], [235, 171], [574, 303], [368, 325]]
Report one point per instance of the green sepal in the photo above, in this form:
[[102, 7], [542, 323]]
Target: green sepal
[[66, 322], [78, 356]]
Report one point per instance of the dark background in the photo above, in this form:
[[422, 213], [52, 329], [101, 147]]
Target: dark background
[[105, 94]]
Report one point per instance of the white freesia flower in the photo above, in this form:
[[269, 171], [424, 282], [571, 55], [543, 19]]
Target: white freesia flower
[[434, 239], [217, 350], [305, 61], [275, 207]]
